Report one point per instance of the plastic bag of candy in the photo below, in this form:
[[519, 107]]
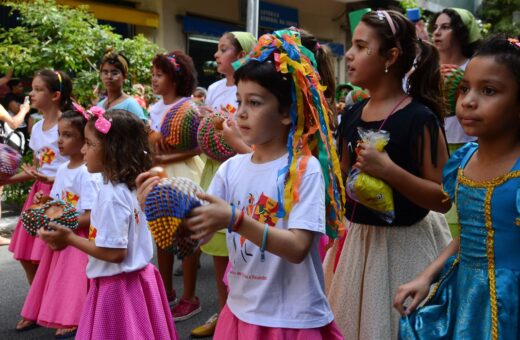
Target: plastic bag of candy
[[372, 192]]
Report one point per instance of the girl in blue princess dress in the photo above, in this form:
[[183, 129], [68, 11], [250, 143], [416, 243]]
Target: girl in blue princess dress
[[477, 296]]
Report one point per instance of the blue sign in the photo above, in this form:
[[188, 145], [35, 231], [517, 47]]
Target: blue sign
[[336, 48], [277, 16]]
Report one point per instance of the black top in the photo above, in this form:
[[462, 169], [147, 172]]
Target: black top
[[406, 127]]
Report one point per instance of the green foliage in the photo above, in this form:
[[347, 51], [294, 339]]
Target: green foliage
[[406, 4], [69, 39], [17, 193], [497, 14]]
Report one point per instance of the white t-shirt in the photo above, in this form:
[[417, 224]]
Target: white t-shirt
[[220, 95], [274, 293], [45, 147], [76, 186], [157, 112], [118, 222]]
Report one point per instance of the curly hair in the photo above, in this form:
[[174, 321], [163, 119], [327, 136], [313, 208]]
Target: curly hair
[[180, 69], [460, 31], [126, 152], [58, 81]]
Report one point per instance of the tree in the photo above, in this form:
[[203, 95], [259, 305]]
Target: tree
[[70, 39], [498, 13]]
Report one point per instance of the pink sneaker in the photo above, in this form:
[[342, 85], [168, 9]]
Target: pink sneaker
[[185, 309]]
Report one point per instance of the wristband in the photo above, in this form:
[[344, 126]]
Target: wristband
[[230, 224], [264, 242], [239, 220]]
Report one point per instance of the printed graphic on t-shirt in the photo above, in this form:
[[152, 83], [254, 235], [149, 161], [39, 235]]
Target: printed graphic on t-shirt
[[92, 232], [264, 210], [230, 109], [70, 197], [46, 156], [136, 216]]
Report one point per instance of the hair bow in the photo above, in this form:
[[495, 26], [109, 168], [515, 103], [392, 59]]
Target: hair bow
[[102, 124], [78, 108], [173, 61]]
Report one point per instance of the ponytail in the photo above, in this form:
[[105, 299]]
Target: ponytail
[[425, 82], [325, 65]]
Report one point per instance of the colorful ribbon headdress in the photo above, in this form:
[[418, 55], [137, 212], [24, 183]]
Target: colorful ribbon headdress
[[310, 131]]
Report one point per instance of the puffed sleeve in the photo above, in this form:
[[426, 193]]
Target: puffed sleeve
[[450, 170]]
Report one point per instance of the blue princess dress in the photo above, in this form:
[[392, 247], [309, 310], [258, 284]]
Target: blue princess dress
[[477, 296]]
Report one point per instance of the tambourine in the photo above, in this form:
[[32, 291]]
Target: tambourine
[[10, 160], [180, 124], [49, 210], [166, 206], [210, 137]]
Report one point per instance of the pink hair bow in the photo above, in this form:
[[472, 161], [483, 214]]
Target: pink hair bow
[[102, 124]]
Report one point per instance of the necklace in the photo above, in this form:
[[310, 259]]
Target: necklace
[[109, 102]]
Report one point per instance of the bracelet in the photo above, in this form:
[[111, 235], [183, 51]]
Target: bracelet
[[264, 242], [239, 220], [230, 224]]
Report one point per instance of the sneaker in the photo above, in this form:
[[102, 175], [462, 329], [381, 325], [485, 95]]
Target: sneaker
[[185, 309], [172, 299], [206, 329]]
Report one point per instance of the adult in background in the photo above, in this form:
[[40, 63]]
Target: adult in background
[[456, 35], [113, 71]]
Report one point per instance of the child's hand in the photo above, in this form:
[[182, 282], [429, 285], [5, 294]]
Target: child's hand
[[417, 289], [203, 111], [38, 197], [372, 162], [233, 138], [203, 221], [57, 238], [29, 170], [145, 183]]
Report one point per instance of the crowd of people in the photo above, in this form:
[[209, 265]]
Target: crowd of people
[[295, 254]]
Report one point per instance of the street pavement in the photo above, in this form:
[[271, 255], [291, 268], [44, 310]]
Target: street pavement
[[14, 288]]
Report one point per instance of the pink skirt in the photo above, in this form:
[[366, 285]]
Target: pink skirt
[[59, 289], [127, 306], [24, 246], [229, 327]]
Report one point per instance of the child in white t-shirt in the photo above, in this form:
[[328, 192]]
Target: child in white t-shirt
[[59, 289], [126, 298], [50, 95], [276, 202]]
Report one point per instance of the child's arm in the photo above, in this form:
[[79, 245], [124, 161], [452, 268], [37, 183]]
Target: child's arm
[[418, 288], [84, 220], [424, 191], [292, 245], [59, 237]]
